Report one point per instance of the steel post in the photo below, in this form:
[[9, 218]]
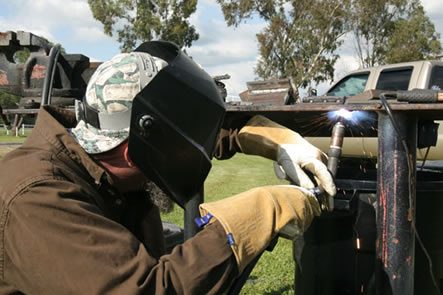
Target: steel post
[[395, 245], [191, 212]]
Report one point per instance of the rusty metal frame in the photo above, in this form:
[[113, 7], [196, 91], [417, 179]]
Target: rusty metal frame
[[395, 245], [72, 71]]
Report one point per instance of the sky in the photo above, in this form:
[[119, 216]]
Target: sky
[[219, 50]]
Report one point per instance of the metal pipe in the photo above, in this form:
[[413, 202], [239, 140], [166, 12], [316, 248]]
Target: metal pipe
[[335, 147], [395, 245], [334, 153]]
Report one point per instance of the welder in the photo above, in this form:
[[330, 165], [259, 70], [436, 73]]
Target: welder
[[77, 198]]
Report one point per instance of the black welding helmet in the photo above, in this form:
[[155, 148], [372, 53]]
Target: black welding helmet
[[175, 122]]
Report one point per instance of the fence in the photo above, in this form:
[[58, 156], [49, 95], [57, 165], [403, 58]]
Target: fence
[[22, 131]]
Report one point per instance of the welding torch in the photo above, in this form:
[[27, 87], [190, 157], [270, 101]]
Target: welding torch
[[290, 231], [334, 153]]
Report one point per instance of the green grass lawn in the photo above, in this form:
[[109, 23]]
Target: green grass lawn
[[10, 139], [4, 138], [274, 273]]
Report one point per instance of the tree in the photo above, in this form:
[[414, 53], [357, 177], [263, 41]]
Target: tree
[[9, 101], [22, 55], [382, 28], [135, 21], [373, 23], [300, 39], [236, 11], [413, 38]]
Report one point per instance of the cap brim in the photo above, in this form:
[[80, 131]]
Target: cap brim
[[96, 141]]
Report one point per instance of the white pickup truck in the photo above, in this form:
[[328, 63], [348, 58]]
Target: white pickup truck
[[402, 76]]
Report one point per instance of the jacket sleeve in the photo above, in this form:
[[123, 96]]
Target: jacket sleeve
[[227, 142], [56, 244]]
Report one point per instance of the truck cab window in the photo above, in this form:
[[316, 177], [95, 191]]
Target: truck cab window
[[394, 79], [436, 78], [350, 85]]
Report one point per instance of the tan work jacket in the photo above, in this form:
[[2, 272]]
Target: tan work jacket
[[65, 230]]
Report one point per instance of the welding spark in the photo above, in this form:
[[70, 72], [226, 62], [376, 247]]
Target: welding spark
[[353, 117]]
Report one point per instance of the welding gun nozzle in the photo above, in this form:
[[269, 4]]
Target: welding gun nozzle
[[335, 148], [334, 153]]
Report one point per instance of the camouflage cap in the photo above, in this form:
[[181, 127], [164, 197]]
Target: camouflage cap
[[111, 90]]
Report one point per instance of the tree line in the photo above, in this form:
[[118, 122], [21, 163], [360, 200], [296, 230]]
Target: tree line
[[301, 38]]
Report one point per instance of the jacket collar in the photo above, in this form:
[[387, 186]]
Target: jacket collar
[[52, 124]]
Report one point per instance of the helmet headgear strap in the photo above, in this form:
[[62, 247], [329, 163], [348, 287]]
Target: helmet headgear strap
[[113, 121]]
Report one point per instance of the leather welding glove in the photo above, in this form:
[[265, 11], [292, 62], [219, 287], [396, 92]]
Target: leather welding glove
[[263, 137], [253, 218]]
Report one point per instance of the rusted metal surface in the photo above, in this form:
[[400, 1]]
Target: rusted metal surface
[[269, 92], [3, 78], [20, 111], [26, 80], [11, 42], [395, 245], [317, 107], [311, 119], [271, 98]]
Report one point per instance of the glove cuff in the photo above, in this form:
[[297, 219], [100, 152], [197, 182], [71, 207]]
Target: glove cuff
[[253, 218]]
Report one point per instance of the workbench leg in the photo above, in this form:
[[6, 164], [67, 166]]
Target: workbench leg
[[191, 212], [395, 245]]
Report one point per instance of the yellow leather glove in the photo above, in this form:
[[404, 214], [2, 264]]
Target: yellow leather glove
[[253, 218], [263, 137]]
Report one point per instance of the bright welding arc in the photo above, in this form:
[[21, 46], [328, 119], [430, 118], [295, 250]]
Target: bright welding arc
[[353, 117]]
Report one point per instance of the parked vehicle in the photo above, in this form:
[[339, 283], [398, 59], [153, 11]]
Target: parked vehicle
[[402, 76]]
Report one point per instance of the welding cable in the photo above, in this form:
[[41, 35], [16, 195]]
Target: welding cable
[[425, 158], [49, 75], [54, 68], [406, 148], [393, 121]]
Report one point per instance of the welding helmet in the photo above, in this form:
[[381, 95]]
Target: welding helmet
[[168, 108], [175, 123]]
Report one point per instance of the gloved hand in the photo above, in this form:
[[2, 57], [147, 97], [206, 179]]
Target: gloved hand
[[253, 218], [263, 137]]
